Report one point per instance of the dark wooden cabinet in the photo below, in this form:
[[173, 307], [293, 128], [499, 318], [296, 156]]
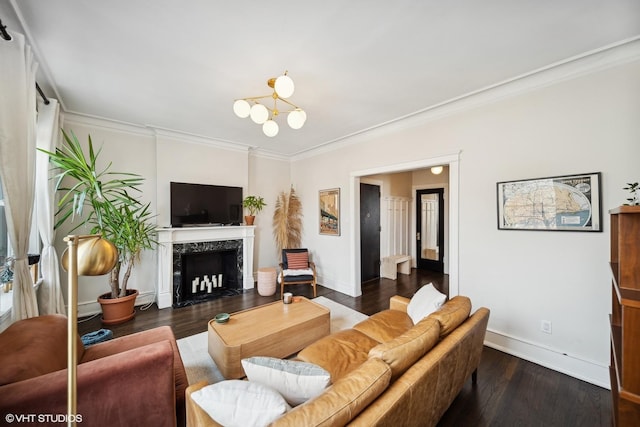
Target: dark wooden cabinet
[[625, 315]]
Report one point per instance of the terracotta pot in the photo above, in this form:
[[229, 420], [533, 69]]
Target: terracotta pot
[[248, 219], [118, 310]]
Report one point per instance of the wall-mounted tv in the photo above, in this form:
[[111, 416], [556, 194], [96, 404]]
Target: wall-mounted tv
[[203, 204]]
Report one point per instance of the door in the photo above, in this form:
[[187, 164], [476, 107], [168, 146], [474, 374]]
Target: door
[[430, 229], [369, 232]]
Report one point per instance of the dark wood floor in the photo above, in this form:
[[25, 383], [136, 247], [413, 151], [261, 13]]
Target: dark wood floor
[[510, 391]]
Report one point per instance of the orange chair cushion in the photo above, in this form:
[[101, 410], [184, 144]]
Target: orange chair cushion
[[297, 260]]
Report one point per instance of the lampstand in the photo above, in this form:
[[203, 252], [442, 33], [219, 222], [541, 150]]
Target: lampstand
[[88, 255]]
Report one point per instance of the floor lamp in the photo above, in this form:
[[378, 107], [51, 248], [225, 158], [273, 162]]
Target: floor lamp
[[87, 255]]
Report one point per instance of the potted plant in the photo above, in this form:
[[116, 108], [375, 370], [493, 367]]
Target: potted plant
[[255, 204], [634, 192], [114, 213]]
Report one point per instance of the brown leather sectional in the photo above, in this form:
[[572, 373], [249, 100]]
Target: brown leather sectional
[[386, 371]]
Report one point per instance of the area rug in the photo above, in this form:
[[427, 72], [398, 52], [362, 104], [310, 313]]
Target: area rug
[[200, 367]]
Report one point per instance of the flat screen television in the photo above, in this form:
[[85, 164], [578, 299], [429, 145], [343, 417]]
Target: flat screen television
[[203, 204]]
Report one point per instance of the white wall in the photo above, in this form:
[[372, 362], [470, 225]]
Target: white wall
[[268, 176], [185, 159], [587, 123]]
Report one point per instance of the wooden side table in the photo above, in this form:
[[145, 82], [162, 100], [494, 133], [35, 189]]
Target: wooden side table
[[267, 281]]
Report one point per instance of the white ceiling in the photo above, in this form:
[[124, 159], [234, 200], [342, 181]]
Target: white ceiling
[[179, 64]]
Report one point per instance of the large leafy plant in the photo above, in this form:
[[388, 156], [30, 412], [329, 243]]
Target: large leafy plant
[[103, 200]]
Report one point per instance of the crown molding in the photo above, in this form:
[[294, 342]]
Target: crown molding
[[266, 154], [178, 136], [606, 57], [151, 131], [71, 117]]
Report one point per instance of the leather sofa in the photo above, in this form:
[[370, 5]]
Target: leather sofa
[[386, 371], [137, 379]]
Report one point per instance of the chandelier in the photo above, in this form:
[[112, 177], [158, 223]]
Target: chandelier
[[264, 115]]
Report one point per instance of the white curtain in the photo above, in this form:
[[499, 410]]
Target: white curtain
[[50, 299], [17, 161]]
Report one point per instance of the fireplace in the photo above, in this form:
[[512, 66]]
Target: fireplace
[[206, 270], [205, 244]]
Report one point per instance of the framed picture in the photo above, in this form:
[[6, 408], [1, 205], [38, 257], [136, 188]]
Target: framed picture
[[330, 212], [559, 203]]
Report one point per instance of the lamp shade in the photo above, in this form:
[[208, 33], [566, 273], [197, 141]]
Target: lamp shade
[[96, 256], [436, 170], [284, 86], [259, 114], [270, 128], [241, 108], [296, 118]]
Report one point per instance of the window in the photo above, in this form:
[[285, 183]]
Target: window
[[6, 297]]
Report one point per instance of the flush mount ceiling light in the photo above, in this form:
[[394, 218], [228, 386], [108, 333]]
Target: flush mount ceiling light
[[436, 170], [283, 88]]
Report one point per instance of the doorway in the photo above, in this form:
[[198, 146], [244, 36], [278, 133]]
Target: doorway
[[430, 248], [369, 232]]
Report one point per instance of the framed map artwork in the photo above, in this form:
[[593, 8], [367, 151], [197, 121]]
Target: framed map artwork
[[330, 212], [560, 203]]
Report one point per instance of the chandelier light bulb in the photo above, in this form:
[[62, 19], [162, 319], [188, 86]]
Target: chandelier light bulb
[[241, 108], [296, 118], [270, 128], [284, 86], [259, 114]]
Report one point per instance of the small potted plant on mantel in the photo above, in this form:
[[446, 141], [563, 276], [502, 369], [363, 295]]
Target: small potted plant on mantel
[[634, 191], [113, 212], [255, 204]]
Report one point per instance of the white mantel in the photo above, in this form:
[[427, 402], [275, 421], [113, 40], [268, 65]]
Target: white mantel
[[167, 237]]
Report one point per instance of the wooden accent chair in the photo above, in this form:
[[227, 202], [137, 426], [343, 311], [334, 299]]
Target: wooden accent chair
[[296, 269]]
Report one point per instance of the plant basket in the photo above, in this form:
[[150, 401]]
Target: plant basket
[[118, 310]]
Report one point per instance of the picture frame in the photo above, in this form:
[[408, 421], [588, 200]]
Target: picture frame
[[329, 206], [558, 203]]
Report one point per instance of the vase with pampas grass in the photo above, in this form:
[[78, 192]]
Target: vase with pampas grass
[[287, 221]]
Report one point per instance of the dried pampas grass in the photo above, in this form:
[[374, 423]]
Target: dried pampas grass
[[287, 221]]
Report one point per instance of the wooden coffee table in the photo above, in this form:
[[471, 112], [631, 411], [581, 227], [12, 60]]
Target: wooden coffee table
[[275, 330]]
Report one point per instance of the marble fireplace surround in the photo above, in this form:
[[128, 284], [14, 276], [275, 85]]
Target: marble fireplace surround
[[167, 237]]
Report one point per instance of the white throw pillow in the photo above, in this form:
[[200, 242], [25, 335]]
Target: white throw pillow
[[427, 300], [296, 381], [241, 403]]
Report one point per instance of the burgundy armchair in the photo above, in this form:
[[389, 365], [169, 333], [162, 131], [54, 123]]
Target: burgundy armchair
[[137, 379]]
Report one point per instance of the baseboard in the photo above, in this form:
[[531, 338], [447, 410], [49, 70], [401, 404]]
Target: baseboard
[[576, 367], [342, 287]]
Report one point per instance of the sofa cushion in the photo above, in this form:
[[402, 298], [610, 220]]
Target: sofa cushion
[[452, 314], [342, 401], [424, 302], [403, 351], [296, 381], [385, 325], [339, 353], [240, 403], [38, 346]]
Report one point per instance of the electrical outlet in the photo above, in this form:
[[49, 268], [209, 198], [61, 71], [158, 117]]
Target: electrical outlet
[[545, 326]]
